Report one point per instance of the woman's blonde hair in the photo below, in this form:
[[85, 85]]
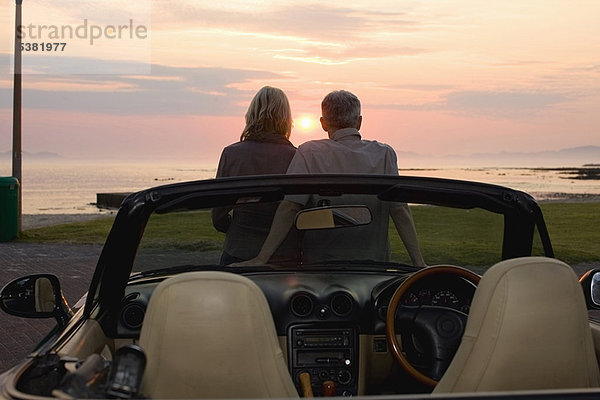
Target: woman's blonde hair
[[269, 112]]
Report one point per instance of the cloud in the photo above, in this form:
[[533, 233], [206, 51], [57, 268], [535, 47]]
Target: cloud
[[337, 24], [317, 20], [514, 103], [323, 34], [497, 104], [423, 87], [168, 90], [345, 54], [405, 106], [592, 68]]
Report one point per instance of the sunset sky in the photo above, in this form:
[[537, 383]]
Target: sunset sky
[[434, 76]]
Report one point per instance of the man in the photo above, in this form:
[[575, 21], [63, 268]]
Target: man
[[344, 152]]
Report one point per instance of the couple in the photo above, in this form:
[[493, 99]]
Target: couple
[[264, 148]]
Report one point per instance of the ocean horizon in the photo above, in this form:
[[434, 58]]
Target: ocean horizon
[[71, 186]]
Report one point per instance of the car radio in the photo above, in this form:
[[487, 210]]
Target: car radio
[[327, 354]]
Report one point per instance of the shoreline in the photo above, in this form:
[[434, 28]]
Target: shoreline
[[40, 220], [562, 197]]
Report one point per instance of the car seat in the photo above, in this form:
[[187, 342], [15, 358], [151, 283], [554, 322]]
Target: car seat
[[211, 335], [527, 329]]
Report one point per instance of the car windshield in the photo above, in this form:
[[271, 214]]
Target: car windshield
[[355, 231]]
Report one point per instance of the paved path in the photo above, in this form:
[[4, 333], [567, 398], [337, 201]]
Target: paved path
[[73, 264]]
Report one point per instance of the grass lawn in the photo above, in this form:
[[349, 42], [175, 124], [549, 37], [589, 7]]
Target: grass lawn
[[89, 232], [449, 236], [574, 229]]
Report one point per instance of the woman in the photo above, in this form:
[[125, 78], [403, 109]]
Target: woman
[[264, 148]]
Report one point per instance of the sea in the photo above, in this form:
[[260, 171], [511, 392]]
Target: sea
[[70, 187]]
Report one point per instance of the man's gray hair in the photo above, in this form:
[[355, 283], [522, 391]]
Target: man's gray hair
[[341, 109]]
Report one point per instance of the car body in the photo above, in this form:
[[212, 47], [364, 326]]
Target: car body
[[331, 317]]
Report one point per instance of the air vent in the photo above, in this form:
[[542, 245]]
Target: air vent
[[302, 305], [132, 315], [341, 304], [131, 297]]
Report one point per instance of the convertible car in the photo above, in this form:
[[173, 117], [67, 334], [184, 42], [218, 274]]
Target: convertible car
[[341, 312]]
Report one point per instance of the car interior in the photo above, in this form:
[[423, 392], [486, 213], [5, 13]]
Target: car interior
[[507, 345], [184, 327]]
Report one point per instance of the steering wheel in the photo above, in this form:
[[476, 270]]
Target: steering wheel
[[431, 334]]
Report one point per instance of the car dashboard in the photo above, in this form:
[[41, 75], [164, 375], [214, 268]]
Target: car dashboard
[[330, 324]]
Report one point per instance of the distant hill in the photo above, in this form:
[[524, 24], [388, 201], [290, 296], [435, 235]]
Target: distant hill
[[43, 155], [581, 152], [574, 156]]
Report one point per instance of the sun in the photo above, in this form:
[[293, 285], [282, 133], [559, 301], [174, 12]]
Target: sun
[[305, 122]]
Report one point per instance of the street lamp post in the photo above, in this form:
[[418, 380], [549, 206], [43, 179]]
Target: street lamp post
[[17, 151]]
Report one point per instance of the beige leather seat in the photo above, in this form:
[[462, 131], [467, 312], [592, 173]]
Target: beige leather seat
[[211, 335], [527, 329]]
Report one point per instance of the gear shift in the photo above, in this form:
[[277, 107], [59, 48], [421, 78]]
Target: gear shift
[[305, 384]]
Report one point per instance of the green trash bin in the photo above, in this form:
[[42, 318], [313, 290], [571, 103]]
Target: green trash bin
[[9, 208]]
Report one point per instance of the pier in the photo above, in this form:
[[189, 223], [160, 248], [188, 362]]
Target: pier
[[110, 200]]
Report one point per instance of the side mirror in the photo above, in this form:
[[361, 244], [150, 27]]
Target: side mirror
[[590, 281], [36, 296], [333, 217]]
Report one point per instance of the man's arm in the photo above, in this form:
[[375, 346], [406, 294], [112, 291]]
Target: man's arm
[[406, 229], [282, 222]]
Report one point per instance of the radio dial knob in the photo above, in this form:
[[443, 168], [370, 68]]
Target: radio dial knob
[[344, 377]]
